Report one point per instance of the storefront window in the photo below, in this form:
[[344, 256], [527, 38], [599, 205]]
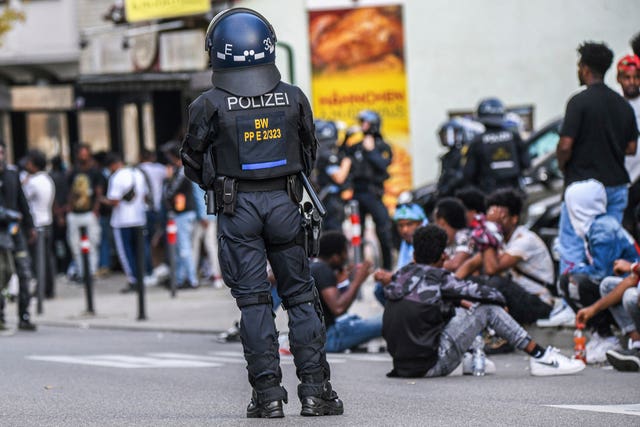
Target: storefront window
[[94, 129], [48, 132]]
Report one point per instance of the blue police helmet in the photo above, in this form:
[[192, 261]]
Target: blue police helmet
[[326, 130], [242, 52], [372, 118], [410, 211], [491, 112]]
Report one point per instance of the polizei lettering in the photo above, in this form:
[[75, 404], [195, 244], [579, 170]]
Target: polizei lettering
[[271, 99]]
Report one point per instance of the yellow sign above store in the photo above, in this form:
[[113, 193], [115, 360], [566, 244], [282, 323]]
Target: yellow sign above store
[[146, 10]]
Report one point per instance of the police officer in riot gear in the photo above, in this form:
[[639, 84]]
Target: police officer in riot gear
[[454, 135], [12, 199], [331, 173], [248, 137], [370, 159], [496, 158]]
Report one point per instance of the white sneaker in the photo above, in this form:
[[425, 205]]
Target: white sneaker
[[457, 372], [150, 281], [562, 316], [554, 363], [467, 365], [597, 351]]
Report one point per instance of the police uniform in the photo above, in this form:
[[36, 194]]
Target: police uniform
[[247, 138], [368, 173], [12, 197], [496, 158], [329, 161]]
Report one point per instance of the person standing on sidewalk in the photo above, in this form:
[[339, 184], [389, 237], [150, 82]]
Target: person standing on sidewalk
[[248, 139], [39, 190], [598, 130], [86, 188], [126, 193], [179, 199]]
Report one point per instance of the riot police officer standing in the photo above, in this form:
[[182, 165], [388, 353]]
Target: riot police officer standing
[[332, 171], [496, 158], [370, 159], [12, 199], [248, 138], [455, 135]]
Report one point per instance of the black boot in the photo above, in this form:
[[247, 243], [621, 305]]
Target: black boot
[[327, 403], [271, 409], [24, 324]]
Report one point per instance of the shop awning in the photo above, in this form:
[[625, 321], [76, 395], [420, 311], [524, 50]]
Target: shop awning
[[136, 82]]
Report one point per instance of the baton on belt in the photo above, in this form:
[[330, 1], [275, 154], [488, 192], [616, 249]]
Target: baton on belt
[[317, 203]]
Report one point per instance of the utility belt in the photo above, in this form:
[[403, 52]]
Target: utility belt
[[224, 196], [225, 191]]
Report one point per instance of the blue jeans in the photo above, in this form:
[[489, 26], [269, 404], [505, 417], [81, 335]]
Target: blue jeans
[[627, 312], [185, 266], [351, 330], [571, 246], [463, 328], [104, 258]]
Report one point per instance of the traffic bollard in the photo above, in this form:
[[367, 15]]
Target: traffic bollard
[[139, 245], [85, 248], [41, 266], [356, 231], [172, 240]]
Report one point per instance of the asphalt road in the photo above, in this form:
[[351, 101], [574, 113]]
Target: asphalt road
[[87, 377]]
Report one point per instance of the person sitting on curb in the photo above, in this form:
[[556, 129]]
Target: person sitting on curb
[[431, 317], [344, 331], [620, 297], [408, 217]]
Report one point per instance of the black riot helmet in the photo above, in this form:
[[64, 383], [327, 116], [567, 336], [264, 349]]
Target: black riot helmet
[[242, 52], [373, 119], [491, 112], [326, 131]]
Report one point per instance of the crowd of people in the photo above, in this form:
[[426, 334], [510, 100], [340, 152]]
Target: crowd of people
[[475, 249], [108, 202], [467, 268]]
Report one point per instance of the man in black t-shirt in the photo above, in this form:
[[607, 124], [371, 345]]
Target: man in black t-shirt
[[599, 129], [86, 188], [337, 293]]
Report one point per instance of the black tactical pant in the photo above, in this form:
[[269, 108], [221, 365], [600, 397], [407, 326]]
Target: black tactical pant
[[372, 204], [264, 226], [22, 262], [335, 212], [23, 270]]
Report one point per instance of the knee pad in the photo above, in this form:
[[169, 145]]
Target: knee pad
[[254, 299], [292, 301]]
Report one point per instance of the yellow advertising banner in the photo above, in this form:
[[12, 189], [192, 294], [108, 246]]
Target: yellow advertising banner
[[358, 64], [146, 10]]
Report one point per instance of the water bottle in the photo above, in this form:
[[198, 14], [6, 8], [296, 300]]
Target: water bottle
[[478, 357], [579, 343]]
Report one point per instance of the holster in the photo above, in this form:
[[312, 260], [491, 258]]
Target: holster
[[294, 188], [226, 190], [210, 202]]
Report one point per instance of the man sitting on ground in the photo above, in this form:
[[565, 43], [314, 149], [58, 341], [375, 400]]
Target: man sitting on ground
[[431, 317], [521, 268], [408, 217], [620, 297], [605, 241], [337, 294], [451, 215]]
